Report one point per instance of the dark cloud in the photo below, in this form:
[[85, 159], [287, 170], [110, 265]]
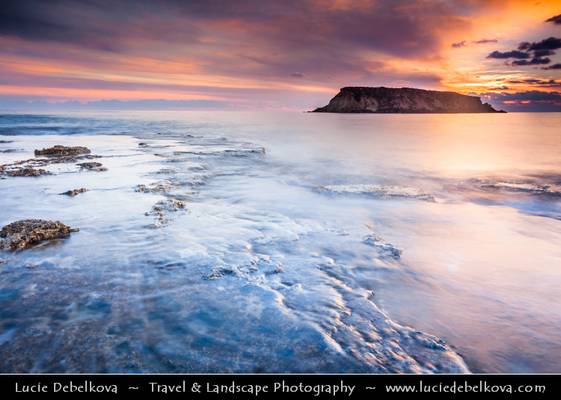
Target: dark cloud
[[464, 43], [94, 24], [554, 66], [509, 54], [485, 41], [555, 20], [530, 53], [533, 61], [387, 26], [533, 100], [457, 45], [544, 83], [543, 53], [551, 43]]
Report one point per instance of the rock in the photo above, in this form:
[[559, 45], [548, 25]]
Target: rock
[[26, 171], [168, 205], [386, 250], [62, 151], [156, 187], [218, 273], [6, 141], [92, 166], [166, 171], [26, 233], [403, 100], [53, 155], [245, 152], [379, 191], [161, 209], [74, 192]]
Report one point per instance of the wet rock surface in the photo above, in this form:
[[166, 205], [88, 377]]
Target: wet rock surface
[[157, 187], [92, 166], [58, 154], [379, 191], [74, 192], [27, 233], [25, 172], [163, 208], [386, 250], [62, 151], [547, 186]]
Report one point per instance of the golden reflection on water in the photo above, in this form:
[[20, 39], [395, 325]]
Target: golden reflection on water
[[484, 278], [463, 143]]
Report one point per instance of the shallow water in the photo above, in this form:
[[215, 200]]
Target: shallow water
[[309, 242]]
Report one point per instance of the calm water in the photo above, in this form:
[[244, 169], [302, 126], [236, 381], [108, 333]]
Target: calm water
[[309, 242]]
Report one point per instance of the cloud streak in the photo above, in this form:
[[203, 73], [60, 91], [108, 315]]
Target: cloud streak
[[508, 54], [556, 19]]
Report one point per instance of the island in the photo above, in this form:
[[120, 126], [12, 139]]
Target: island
[[403, 100]]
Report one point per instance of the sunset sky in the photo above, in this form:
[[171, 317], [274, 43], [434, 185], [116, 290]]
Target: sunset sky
[[285, 55]]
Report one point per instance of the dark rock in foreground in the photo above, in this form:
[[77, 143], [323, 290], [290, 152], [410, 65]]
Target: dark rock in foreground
[[26, 233], [62, 151], [403, 100], [74, 192]]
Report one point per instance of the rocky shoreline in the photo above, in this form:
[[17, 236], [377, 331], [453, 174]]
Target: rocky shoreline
[[28, 233], [35, 167], [165, 182]]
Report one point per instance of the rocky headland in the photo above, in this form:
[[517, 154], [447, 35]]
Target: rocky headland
[[403, 100]]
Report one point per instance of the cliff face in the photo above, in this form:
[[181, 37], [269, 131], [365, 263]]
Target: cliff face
[[403, 100]]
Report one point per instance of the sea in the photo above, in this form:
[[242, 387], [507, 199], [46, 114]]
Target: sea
[[237, 241]]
